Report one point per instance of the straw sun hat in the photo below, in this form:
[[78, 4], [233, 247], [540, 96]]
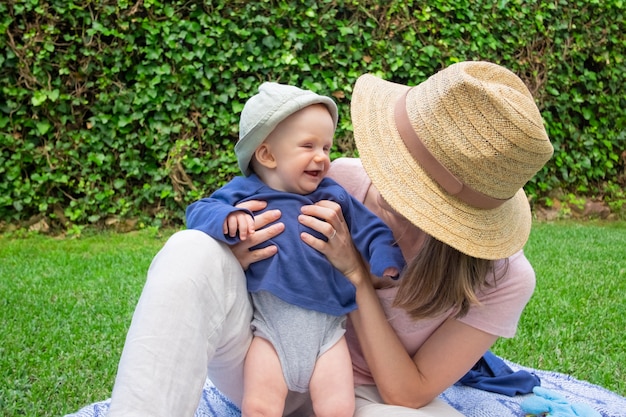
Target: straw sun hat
[[453, 153]]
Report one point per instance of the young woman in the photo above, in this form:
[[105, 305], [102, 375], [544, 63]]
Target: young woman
[[444, 166], [447, 161]]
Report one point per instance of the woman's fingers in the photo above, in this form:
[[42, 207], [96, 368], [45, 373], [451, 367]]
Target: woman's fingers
[[262, 234], [326, 218], [263, 219], [327, 210], [242, 251], [252, 205]]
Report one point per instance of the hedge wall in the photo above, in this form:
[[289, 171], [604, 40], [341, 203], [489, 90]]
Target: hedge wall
[[114, 110]]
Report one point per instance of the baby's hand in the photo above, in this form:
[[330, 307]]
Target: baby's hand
[[239, 221], [389, 278], [391, 272]]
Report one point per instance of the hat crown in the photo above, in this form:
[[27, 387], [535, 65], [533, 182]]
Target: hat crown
[[265, 110], [480, 122], [483, 138]]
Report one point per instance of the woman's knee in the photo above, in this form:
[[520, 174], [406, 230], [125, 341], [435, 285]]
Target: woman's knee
[[193, 270], [194, 254], [191, 243]]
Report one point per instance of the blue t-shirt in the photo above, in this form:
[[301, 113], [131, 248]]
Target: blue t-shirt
[[299, 274]]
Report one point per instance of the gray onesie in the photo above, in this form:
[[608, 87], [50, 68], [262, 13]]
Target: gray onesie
[[299, 336]]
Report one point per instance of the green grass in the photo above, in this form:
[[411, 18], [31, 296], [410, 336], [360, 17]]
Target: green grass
[[575, 321], [66, 305]]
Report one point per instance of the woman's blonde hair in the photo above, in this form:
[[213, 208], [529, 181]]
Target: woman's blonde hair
[[440, 279]]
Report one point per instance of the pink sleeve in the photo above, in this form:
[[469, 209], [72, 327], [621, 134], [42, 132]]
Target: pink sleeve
[[502, 304], [349, 173]]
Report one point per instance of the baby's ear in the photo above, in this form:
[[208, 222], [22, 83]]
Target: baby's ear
[[264, 156]]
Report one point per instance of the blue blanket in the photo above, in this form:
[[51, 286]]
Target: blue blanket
[[469, 401]]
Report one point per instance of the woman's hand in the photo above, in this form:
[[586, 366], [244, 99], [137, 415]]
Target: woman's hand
[[262, 234], [326, 218]]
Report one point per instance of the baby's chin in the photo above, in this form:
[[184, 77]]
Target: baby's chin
[[306, 189]]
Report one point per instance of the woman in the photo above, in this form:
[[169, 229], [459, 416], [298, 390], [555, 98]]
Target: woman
[[447, 161]]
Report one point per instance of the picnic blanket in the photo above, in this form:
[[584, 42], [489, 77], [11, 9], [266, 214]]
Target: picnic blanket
[[469, 401]]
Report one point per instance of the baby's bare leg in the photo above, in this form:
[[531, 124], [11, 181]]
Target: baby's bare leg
[[332, 384], [264, 387]]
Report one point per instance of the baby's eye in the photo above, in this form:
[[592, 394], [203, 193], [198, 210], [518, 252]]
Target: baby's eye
[[307, 145]]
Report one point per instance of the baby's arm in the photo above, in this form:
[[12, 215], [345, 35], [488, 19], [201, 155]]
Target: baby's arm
[[239, 221]]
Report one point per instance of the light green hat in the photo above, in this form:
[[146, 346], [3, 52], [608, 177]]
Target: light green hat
[[264, 111]]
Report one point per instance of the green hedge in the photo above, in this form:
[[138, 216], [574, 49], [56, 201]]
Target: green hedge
[[116, 110]]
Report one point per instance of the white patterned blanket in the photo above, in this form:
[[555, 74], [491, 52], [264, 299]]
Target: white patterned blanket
[[469, 401]]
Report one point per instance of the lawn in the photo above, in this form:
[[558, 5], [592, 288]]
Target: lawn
[[66, 305], [575, 321]]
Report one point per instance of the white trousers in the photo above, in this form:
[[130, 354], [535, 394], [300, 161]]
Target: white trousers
[[193, 320], [370, 404]]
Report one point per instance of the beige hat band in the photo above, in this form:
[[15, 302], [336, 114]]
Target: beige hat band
[[442, 176]]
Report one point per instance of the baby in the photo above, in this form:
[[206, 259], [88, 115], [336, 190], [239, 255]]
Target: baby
[[300, 300]]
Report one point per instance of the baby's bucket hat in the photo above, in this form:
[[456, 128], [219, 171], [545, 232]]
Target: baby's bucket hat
[[265, 110], [453, 153]]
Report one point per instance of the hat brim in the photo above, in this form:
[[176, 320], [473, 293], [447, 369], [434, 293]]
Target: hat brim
[[488, 234]]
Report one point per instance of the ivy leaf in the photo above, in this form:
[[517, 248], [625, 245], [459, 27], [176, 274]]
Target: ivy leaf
[[39, 97], [552, 91], [43, 127], [53, 95]]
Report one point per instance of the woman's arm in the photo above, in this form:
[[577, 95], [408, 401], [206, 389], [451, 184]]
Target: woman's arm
[[401, 379], [441, 361]]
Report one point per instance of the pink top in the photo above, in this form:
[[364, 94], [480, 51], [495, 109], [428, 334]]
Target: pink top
[[498, 314]]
